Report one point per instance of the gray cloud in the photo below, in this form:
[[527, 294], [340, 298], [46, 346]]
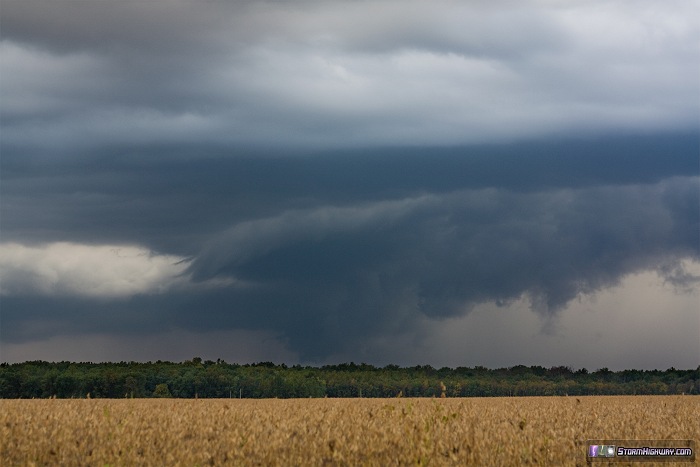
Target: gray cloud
[[340, 176], [329, 277], [677, 274], [170, 198], [443, 255], [342, 73]]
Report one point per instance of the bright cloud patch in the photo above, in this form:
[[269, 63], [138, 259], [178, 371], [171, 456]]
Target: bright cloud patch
[[86, 270]]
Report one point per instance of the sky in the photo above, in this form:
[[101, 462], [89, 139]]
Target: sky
[[315, 182]]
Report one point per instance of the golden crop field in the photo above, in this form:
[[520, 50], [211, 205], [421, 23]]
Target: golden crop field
[[315, 432]]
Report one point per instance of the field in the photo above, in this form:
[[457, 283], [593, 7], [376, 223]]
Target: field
[[475, 431]]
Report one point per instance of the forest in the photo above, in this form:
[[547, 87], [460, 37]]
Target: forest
[[199, 378]]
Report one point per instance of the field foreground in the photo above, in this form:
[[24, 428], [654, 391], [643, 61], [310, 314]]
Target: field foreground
[[474, 431]]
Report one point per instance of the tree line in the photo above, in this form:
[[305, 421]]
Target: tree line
[[218, 379]]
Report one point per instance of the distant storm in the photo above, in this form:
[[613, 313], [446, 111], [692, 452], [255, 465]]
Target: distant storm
[[444, 183]]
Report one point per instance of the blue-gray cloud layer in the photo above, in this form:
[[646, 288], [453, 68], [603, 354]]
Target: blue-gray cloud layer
[[331, 248], [338, 171]]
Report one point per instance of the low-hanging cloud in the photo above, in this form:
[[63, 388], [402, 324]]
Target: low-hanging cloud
[[330, 278], [320, 273]]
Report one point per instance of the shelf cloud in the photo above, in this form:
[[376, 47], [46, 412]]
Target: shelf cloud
[[349, 180]]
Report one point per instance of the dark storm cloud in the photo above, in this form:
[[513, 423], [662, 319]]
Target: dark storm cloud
[[330, 249], [328, 278], [336, 275], [169, 198], [335, 172]]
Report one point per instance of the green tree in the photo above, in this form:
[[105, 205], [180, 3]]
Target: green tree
[[162, 391]]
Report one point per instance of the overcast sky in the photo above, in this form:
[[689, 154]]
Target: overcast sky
[[409, 182]]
